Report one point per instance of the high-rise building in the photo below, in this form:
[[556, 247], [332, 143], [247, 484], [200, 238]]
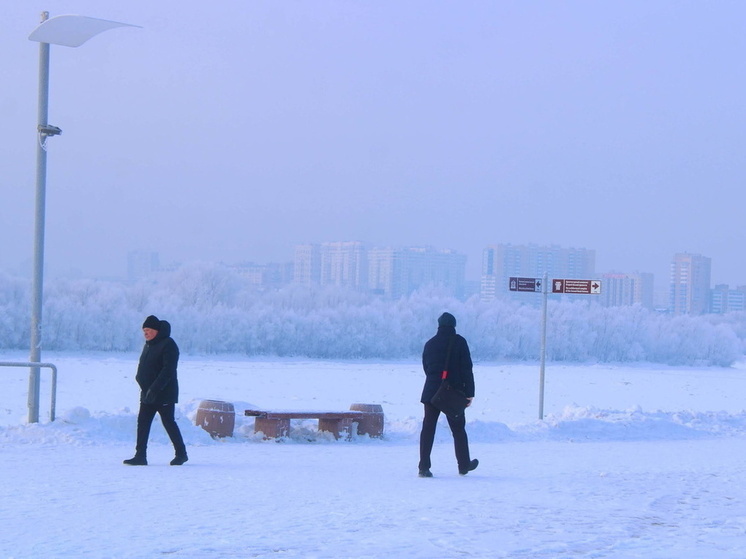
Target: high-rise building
[[344, 263], [503, 261], [724, 300], [393, 272], [307, 264], [618, 290], [690, 284], [396, 272]]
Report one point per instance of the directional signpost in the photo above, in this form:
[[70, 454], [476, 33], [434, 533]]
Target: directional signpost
[[570, 286], [576, 286], [525, 284]]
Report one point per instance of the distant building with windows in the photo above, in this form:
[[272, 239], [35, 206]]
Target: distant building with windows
[[307, 264], [690, 284], [344, 263], [396, 272], [392, 272], [619, 290], [503, 261], [724, 300]]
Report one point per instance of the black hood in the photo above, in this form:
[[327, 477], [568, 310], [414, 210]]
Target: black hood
[[163, 332]]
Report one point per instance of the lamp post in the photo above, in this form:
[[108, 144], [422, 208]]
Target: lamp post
[[69, 31]]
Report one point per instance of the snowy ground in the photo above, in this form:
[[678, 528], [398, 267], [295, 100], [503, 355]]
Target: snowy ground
[[641, 461]]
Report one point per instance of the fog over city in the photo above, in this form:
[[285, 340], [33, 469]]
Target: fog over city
[[232, 131]]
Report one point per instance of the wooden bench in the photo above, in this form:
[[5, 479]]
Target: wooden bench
[[275, 424]]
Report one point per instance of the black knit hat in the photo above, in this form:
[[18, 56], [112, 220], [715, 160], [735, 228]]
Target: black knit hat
[[447, 319], [152, 322]]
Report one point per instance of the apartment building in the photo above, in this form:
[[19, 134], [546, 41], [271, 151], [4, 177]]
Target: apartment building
[[690, 284], [723, 299], [343, 263], [396, 272], [393, 272], [619, 289]]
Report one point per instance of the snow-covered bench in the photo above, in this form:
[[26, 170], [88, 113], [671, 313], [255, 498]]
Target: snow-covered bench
[[275, 424]]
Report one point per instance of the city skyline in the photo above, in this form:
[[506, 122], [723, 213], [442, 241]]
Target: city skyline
[[396, 272], [236, 131], [473, 270], [399, 271]]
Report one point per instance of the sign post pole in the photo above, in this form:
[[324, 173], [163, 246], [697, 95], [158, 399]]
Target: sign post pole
[[572, 286], [543, 346]]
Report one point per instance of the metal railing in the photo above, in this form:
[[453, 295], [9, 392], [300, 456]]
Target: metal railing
[[53, 407]]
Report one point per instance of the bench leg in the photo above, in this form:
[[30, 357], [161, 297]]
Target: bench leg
[[371, 423], [336, 426], [272, 428]]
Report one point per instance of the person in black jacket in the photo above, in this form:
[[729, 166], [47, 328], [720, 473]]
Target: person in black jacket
[[159, 390], [461, 376]]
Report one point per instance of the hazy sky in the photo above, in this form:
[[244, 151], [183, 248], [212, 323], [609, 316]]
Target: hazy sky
[[234, 130]]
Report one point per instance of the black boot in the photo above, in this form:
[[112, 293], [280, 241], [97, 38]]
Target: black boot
[[136, 460], [425, 473], [463, 470], [180, 458]]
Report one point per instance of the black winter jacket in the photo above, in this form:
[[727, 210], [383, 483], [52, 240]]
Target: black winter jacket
[[460, 373], [157, 368]]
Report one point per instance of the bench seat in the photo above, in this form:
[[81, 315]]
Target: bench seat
[[276, 424]]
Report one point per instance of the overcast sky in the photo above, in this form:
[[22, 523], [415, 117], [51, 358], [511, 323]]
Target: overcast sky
[[233, 130]]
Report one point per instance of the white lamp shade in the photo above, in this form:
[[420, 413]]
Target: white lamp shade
[[72, 30]]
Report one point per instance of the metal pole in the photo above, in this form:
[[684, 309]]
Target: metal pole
[[41, 183], [543, 346]]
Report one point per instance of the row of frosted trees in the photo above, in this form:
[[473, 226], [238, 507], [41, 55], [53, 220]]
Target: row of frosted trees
[[212, 311]]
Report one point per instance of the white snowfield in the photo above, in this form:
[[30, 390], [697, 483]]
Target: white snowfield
[[630, 461]]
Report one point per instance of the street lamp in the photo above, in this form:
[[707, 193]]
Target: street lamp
[[69, 31]]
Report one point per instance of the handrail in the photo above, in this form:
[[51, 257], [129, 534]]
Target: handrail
[[54, 380]]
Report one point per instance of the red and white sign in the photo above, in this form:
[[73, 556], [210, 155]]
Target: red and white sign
[[576, 286]]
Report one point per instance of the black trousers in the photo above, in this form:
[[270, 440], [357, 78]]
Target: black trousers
[[145, 419], [427, 437]]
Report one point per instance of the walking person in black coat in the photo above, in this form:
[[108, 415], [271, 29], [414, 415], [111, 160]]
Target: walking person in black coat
[[460, 376], [159, 390]]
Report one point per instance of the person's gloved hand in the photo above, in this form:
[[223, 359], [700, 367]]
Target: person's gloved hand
[[150, 396]]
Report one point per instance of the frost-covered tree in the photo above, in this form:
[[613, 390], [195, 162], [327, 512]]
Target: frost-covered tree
[[212, 309], [15, 312]]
